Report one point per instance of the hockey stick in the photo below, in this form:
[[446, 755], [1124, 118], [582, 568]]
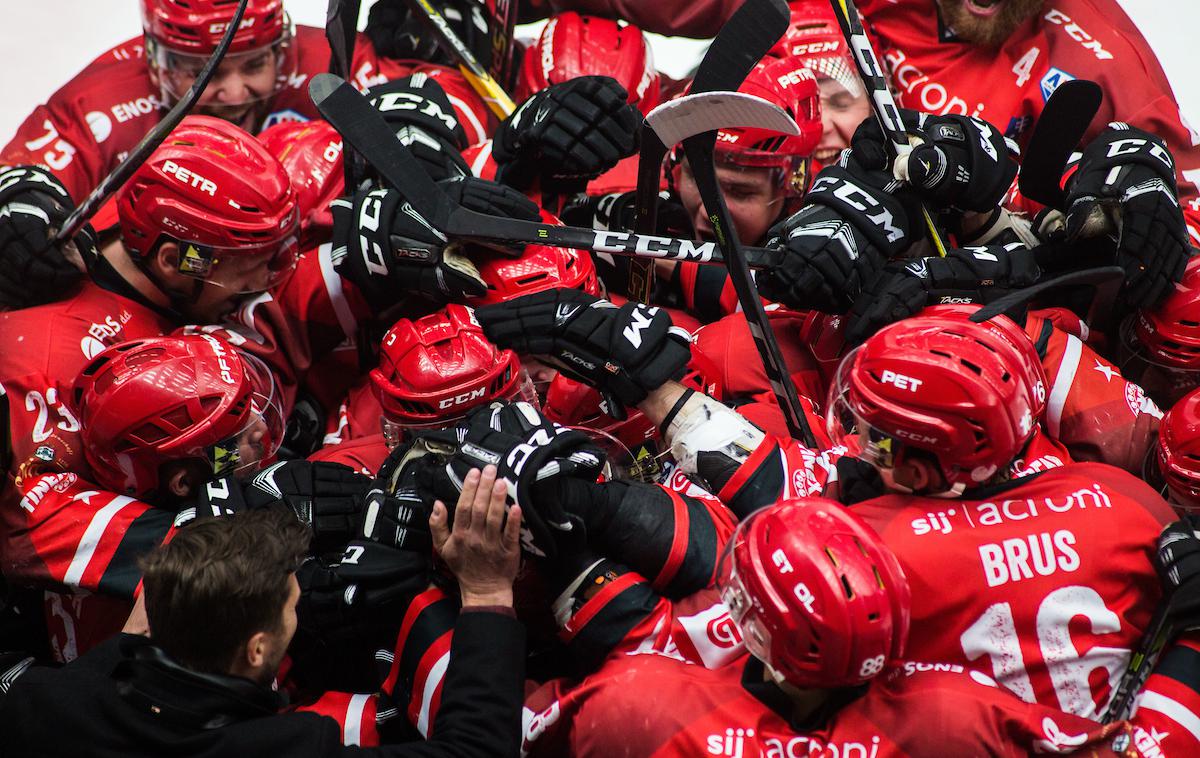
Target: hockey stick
[[501, 24], [737, 60], [363, 128], [884, 105], [341, 30], [476, 75], [1056, 135], [1106, 280], [694, 120], [1158, 633], [138, 155]]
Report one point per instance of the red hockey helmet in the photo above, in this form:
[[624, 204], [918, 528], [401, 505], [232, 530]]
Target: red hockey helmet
[[958, 390], [572, 45], [218, 193], [180, 36], [148, 402], [538, 268], [814, 38], [816, 594], [1005, 328], [436, 368], [1179, 452], [311, 153], [1160, 348]]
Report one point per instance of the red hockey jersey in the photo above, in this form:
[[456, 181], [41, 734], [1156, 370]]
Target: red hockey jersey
[[1053, 583], [93, 121]]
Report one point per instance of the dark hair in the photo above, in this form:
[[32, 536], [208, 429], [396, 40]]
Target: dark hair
[[219, 582]]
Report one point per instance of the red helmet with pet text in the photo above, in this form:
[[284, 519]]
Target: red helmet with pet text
[[572, 45], [311, 153], [434, 369], [816, 594], [148, 402], [228, 203], [957, 390], [814, 38], [1178, 452]]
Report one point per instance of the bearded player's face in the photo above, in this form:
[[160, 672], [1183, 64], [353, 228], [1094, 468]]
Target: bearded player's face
[[987, 22]]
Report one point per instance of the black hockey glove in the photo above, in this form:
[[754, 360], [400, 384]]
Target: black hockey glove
[[383, 246], [369, 580], [625, 352], [566, 134], [327, 497], [1126, 181], [965, 275], [1178, 564], [962, 163], [33, 205], [529, 452], [851, 224], [425, 122], [395, 32], [400, 502]]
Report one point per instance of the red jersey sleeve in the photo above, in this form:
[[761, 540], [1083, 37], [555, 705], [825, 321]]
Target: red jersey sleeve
[[72, 534]]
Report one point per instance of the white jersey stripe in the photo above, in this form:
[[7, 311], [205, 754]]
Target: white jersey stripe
[[1062, 383], [354, 717], [436, 673], [91, 538], [333, 287]]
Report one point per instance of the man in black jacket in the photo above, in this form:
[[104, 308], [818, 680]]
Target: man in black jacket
[[220, 601]]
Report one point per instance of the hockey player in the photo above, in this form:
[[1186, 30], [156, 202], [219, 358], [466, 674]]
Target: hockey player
[[1170, 466], [311, 153], [83, 130], [944, 410]]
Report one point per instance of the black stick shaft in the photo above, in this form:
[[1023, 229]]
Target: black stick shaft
[[138, 155]]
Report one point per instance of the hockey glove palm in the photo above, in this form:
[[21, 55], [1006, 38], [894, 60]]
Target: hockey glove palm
[[1126, 181], [567, 134]]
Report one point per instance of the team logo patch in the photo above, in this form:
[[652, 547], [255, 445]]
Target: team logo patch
[[283, 117], [1053, 78]]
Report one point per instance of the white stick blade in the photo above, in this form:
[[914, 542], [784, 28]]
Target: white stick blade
[[676, 120]]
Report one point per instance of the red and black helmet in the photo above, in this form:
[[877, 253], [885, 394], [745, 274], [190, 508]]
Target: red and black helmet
[[632, 444], [311, 154], [572, 45], [148, 402], [218, 193], [436, 368], [961, 391], [816, 594]]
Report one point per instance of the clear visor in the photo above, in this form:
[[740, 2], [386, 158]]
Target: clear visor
[[241, 80], [840, 69], [1163, 382], [257, 442], [241, 270], [393, 430], [742, 608], [643, 465]]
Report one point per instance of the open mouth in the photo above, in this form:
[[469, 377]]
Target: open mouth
[[983, 8]]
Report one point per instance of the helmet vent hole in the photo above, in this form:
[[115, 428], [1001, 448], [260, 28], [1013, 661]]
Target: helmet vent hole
[[146, 434], [942, 354], [832, 559], [210, 403], [872, 617], [971, 366], [178, 418], [846, 587], [1189, 323]]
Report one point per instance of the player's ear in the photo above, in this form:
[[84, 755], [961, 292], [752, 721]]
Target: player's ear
[[165, 261]]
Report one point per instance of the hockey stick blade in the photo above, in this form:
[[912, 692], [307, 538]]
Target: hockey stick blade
[[109, 185], [738, 46], [684, 117], [1056, 135], [363, 128]]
